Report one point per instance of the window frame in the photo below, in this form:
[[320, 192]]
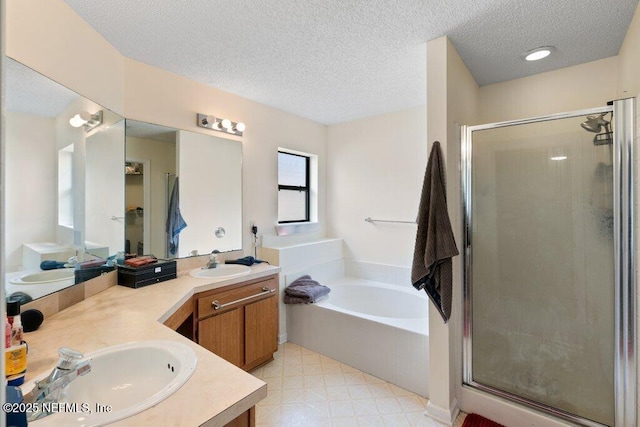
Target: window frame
[[306, 188]]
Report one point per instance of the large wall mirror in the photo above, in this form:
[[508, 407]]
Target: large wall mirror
[[92, 192], [51, 204], [169, 169]]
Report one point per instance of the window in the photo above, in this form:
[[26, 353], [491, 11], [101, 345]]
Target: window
[[293, 187]]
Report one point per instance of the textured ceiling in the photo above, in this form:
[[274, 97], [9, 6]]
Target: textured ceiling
[[144, 130], [32, 93], [337, 60]]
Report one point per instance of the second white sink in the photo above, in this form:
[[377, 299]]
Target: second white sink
[[46, 276], [221, 272], [124, 380]]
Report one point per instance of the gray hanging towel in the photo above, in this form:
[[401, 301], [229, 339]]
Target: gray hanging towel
[[435, 244], [175, 222]]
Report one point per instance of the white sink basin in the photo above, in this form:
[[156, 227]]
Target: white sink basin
[[126, 378], [47, 276], [221, 272]]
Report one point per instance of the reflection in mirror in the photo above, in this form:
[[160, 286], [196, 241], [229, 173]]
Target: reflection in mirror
[[208, 170], [150, 168], [45, 172], [104, 193]]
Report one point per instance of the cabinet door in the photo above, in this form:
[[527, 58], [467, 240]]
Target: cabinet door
[[261, 331], [222, 334]]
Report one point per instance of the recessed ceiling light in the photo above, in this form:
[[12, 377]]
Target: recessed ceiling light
[[558, 158], [538, 53]]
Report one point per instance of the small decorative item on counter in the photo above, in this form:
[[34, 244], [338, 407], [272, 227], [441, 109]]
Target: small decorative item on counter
[[140, 261], [16, 353], [145, 270], [91, 263], [7, 333], [13, 316], [91, 269], [31, 319]]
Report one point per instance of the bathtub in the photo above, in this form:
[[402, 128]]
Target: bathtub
[[379, 328]]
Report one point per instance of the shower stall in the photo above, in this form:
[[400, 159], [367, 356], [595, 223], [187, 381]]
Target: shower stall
[[549, 272]]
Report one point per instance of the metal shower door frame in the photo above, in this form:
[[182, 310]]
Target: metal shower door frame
[[625, 357]]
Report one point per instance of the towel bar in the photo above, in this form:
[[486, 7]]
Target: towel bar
[[368, 219], [217, 306]]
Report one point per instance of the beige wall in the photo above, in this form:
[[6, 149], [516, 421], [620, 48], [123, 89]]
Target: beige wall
[[629, 60], [375, 168], [574, 88], [40, 35]]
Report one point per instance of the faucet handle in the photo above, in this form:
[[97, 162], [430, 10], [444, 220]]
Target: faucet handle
[[69, 358]]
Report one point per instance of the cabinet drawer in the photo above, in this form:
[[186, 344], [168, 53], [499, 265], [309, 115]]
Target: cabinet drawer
[[223, 301]]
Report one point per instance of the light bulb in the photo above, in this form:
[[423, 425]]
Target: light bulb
[[209, 120], [239, 127], [80, 119], [226, 123]]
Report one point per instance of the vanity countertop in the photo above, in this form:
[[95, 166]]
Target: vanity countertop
[[216, 393]]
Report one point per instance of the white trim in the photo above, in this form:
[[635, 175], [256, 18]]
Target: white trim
[[282, 338], [443, 415], [297, 228]]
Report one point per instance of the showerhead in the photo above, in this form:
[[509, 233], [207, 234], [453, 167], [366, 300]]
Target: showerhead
[[595, 123]]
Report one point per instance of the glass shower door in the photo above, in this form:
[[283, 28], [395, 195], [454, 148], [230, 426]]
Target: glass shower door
[[540, 265]]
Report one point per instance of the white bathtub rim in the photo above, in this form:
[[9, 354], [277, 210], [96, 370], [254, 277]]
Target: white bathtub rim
[[419, 325]]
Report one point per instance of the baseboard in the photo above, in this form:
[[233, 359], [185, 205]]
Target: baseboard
[[282, 338], [443, 415]]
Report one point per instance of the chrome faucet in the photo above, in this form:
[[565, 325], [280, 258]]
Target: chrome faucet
[[49, 389], [212, 263]]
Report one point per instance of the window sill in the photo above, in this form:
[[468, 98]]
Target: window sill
[[290, 228]]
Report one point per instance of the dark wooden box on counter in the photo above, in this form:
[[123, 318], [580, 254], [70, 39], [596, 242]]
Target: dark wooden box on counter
[[137, 277], [84, 274]]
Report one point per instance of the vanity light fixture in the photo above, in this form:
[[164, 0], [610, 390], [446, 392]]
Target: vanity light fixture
[[538, 53], [220, 125], [86, 119]]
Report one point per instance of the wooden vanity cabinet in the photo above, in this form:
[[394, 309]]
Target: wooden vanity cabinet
[[240, 322]]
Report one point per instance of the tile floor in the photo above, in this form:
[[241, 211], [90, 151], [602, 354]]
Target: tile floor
[[308, 389]]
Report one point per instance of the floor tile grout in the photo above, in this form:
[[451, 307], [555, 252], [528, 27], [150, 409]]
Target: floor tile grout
[[305, 388]]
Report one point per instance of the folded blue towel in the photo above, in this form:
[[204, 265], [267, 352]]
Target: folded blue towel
[[248, 261], [304, 290], [51, 265]]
